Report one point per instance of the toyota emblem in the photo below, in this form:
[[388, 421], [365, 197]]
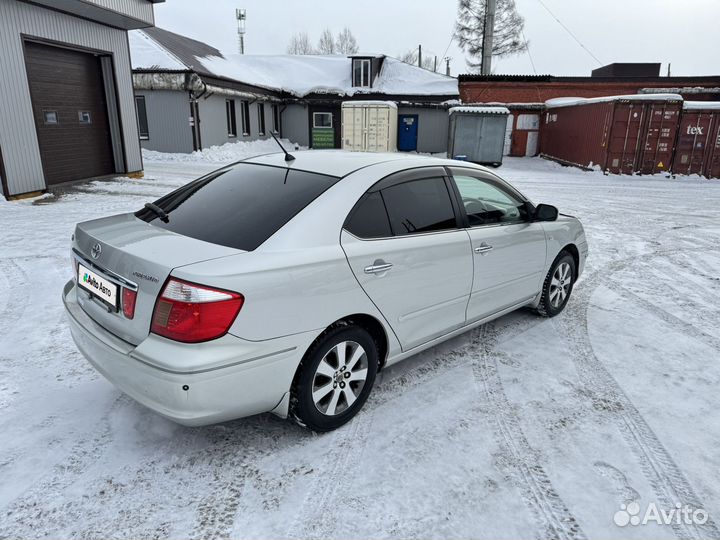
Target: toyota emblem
[[96, 251]]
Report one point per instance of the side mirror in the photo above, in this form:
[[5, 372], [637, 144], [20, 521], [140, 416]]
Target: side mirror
[[545, 212]]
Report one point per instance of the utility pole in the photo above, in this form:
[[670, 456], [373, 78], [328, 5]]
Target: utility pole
[[488, 32], [435, 68], [419, 55], [669, 64], [447, 65]]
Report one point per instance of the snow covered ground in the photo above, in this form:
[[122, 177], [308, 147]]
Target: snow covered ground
[[523, 428]]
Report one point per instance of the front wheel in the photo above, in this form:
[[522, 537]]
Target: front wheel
[[558, 285], [335, 378]]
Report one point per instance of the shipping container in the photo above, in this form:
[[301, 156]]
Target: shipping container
[[477, 134], [632, 134], [698, 142], [369, 126]]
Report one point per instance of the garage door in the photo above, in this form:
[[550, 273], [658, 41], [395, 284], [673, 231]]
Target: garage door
[[70, 112]]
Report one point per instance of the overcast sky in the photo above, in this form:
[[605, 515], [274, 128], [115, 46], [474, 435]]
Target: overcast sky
[[683, 32]]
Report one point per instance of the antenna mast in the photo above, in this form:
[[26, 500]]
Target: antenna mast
[[241, 16]]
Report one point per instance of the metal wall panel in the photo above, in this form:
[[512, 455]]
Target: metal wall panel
[[432, 128], [18, 137], [295, 124], [213, 121], [168, 115]]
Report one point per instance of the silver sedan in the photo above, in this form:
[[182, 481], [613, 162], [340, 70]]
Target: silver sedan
[[285, 283]]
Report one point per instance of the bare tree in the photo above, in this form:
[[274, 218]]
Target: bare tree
[[326, 45], [411, 57], [508, 31], [346, 42], [300, 44]]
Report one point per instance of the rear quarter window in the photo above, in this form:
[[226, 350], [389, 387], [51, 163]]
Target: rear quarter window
[[238, 207]]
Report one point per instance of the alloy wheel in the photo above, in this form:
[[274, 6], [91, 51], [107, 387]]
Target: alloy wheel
[[560, 284], [339, 378]]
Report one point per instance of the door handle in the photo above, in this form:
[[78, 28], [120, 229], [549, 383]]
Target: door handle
[[483, 248], [378, 267]]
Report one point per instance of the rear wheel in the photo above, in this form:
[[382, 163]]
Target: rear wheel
[[335, 378], [558, 285]]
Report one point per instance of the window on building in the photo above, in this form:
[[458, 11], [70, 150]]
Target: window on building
[[141, 110], [230, 117], [84, 117], [419, 206], [51, 117], [261, 118], [361, 72], [276, 118], [245, 118], [322, 120]]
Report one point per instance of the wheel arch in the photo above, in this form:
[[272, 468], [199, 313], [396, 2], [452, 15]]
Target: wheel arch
[[575, 253]]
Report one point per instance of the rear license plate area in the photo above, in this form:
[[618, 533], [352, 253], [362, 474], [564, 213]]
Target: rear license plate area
[[98, 287]]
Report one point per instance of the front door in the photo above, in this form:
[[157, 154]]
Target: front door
[[404, 247], [509, 251], [407, 132]]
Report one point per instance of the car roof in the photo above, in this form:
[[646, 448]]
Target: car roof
[[340, 163]]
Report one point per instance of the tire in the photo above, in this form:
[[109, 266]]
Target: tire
[[327, 391], [558, 285]]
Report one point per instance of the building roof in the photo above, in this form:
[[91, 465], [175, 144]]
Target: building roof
[[155, 49], [474, 77]]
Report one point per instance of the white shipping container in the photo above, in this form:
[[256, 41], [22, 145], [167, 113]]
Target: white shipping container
[[369, 126]]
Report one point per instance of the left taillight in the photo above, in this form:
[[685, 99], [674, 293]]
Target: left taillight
[[129, 298], [192, 313]]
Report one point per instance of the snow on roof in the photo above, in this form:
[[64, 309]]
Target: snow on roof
[[702, 105], [569, 101], [479, 110], [298, 75], [370, 103], [146, 53]]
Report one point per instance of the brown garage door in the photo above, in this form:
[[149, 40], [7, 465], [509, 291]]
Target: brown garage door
[[70, 113]]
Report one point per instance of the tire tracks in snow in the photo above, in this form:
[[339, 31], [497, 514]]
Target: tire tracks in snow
[[30, 512], [553, 517], [667, 480]]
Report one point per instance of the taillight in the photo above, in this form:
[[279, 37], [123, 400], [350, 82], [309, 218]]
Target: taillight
[[192, 313], [128, 302]]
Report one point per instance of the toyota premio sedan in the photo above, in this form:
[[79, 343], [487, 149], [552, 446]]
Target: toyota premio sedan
[[285, 283]]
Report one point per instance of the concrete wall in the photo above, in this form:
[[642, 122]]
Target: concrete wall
[[18, 137], [432, 128], [168, 115], [295, 125]]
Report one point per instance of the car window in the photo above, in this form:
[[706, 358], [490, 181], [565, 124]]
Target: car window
[[419, 206], [487, 203], [369, 218], [239, 207]]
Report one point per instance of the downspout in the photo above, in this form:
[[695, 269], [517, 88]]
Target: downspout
[[280, 119], [195, 110]]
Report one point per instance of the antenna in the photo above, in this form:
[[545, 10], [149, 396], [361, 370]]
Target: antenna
[[288, 155], [241, 16]]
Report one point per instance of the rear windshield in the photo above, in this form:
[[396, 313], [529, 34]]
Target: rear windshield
[[238, 207]]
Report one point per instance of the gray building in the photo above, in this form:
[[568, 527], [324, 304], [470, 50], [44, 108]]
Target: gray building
[[190, 96], [68, 108]]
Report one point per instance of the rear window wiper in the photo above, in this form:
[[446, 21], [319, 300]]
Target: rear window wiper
[[159, 212]]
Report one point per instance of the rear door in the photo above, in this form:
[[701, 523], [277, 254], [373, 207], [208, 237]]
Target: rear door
[[405, 248], [509, 251]]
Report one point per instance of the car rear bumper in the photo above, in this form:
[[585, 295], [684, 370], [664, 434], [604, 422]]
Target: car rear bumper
[[192, 384]]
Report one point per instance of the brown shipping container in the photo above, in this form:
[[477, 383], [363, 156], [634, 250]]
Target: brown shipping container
[[698, 144], [620, 134]]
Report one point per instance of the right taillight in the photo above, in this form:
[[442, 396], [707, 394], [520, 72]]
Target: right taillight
[[191, 313]]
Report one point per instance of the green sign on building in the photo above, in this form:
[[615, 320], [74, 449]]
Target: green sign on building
[[323, 138]]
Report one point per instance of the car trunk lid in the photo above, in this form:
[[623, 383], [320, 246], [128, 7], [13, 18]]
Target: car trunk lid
[[125, 250]]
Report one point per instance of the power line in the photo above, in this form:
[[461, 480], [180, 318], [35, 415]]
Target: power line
[[527, 47], [570, 32], [452, 37]]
